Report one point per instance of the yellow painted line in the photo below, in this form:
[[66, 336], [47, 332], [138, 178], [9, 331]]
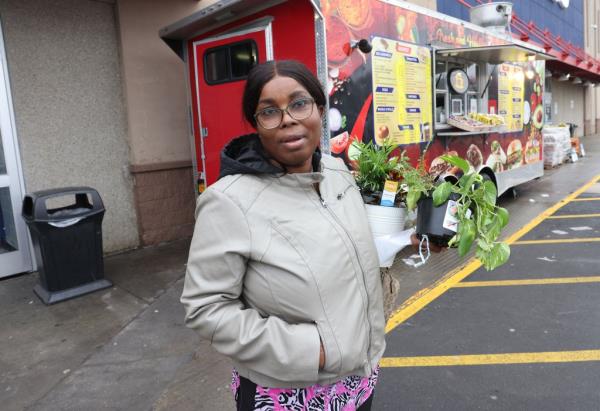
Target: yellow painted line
[[419, 300], [533, 281], [545, 214], [554, 217], [422, 298], [558, 241], [492, 359], [586, 199]]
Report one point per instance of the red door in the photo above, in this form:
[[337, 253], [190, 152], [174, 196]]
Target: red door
[[221, 64]]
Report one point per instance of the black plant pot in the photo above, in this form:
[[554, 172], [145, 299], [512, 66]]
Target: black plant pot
[[430, 220]]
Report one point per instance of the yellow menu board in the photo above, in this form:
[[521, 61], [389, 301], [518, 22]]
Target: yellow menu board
[[511, 94], [402, 95]]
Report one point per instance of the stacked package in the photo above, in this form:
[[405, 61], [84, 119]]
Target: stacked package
[[557, 144]]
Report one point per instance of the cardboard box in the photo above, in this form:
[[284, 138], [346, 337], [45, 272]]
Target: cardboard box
[[576, 145]]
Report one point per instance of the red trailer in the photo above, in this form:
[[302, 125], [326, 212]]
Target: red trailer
[[431, 83]]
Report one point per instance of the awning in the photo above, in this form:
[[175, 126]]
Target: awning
[[569, 59], [496, 54], [210, 18], [558, 67]]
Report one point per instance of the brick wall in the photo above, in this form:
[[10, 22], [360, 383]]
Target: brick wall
[[165, 201]]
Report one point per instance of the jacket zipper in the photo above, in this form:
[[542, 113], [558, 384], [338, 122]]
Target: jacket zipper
[[324, 204]]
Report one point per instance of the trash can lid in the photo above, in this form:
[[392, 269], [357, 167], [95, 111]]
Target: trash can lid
[[35, 207]]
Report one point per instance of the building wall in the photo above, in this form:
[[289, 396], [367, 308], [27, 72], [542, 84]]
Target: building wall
[[155, 84], [157, 105], [567, 104], [64, 67], [592, 47], [590, 108]]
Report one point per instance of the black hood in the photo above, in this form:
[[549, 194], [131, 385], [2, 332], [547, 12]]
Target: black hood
[[245, 155]]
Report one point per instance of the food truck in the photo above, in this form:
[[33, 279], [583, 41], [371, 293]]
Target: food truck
[[431, 83]]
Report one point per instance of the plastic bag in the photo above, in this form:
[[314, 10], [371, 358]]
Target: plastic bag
[[389, 245]]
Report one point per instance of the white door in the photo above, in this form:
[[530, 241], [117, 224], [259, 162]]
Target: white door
[[15, 255]]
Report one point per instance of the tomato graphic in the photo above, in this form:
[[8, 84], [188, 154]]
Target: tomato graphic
[[339, 143], [338, 38], [352, 153]]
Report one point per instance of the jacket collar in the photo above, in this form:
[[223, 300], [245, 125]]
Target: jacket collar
[[245, 155], [301, 179]]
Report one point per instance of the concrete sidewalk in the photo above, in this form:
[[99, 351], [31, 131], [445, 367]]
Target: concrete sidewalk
[[126, 348], [122, 348]]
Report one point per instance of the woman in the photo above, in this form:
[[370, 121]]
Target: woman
[[283, 276]]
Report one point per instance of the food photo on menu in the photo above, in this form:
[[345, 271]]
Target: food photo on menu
[[474, 156], [439, 167], [497, 158], [514, 154], [532, 148]]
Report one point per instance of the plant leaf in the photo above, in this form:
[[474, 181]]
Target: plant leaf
[[489, 193], [411, 199], [498, 255], [452, 241], [503, 215], [441, 193], [458, 162], [494, 228], [503, 251], [466, 182], [480, 254], [467, 231], [483, 245]]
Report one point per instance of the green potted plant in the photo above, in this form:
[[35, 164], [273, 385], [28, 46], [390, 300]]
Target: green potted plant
[[374, 166], [454, 214], [469, 204]]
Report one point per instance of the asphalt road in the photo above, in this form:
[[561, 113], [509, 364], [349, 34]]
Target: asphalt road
[[523, 337]]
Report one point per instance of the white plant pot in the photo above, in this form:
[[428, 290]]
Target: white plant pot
[[384, 221]]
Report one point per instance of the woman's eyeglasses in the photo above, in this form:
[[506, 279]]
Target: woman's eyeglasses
[[271, 117]]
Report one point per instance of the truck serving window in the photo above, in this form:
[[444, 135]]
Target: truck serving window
[[230, 62], [449, 101]]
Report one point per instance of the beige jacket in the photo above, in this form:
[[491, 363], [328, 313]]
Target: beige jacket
[[274, 268]]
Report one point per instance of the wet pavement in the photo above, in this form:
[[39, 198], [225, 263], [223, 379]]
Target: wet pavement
[[124, 348], [453, 343]]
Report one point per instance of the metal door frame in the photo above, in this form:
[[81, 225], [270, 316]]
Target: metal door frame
[[21, 260], [262, 24]]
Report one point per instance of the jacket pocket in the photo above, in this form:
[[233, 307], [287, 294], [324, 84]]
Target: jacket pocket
[[333, 357], [352, 335]]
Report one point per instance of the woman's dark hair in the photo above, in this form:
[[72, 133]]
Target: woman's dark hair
[[265, 72]]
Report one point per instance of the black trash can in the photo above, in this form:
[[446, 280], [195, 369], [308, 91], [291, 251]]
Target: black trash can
[[67, 241]]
